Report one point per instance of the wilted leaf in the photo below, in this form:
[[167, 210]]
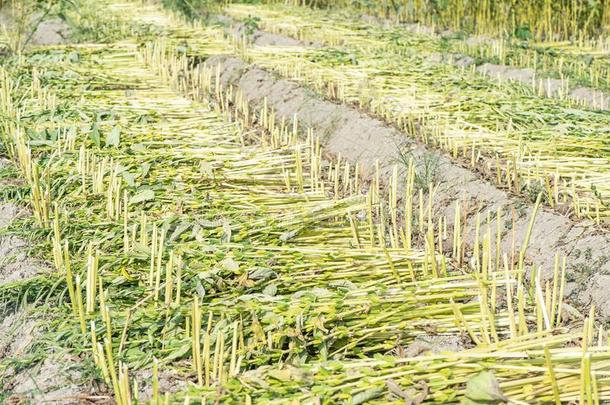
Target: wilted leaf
[[289, 373], [138, 147], [180, 229], [142, 196], [345, 284], [484, 388], [367, 395], [321, 292], [200, 290], [129, 178], [95, 135], [229, 264], [73, 57], [280, 375], [206, 169], [145, 169], [114, 137], [226, 232], [36, 135], [288, 235], [270, 290], [204, 223], [262, 273]]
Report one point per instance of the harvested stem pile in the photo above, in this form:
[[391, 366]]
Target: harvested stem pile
[[545, 20], [581, 63], [203, 240], [527, 144]]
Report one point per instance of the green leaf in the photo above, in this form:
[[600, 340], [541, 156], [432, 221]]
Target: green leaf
[[484, 388], [114, 137], [142, 196], [36, 135], [179, 353]]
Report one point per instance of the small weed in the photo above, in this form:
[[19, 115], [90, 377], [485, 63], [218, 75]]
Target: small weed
[[334, 57], [588, 254], [427, 172], [445, 45], [582, 271], [192, 8], [533, 188], [598, 195], [523, 33], [251, 25], [522, 208], [427, 168]]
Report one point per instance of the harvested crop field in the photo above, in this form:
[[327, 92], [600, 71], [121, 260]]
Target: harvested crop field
[[211, 202]]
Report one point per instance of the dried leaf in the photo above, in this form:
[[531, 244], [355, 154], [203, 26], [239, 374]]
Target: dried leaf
[[409, 396], [395, 389], [423, 394]]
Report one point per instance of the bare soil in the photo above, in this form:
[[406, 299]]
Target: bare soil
[[51, 31], [15, 262]]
